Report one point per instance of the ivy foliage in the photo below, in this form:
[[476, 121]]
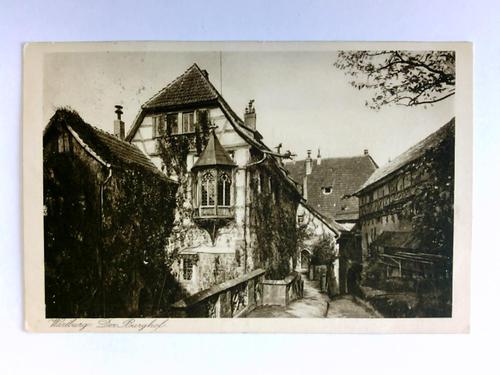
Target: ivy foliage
[[139, 215], [323, 250], [109, 260], [431, 209], [273, 218], [407, 78], [71, 239], [173, 149]]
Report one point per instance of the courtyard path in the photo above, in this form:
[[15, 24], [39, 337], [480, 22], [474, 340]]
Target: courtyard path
[[316, 305]]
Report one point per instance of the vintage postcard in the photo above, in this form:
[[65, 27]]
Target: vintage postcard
[[247, 187]]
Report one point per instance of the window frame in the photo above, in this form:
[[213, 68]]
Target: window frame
[[227, 194], [190, 125], [226, 189], [172, 115], [214, 187], [158, 125], [63, 143]]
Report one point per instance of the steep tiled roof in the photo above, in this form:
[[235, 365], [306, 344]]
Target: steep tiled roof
[[214, 154], [344, 175], [107, 147], [194, 87], [189, 88], [413, 153]]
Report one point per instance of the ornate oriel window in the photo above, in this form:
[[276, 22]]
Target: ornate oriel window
[[214, 194], [213, 177]]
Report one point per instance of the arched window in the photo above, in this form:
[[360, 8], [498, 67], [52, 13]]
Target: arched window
[[208, 190], [224, 190]]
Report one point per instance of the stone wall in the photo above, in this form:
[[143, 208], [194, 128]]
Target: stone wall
[[282, 292], [230, 299]]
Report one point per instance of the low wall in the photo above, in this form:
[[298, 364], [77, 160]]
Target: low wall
[[229, 299], [282, 292]]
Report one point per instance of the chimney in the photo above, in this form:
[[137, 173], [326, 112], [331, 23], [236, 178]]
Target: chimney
[[366, 151], [308, 172], [308, 163], [205, 73], [318, 160], [250, 116], [118, 124]]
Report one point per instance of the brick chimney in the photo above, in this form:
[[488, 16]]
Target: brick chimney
[[118, 124], [250, 116], [318, 159], [366, 151]]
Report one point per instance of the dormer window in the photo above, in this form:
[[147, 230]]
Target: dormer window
[[327, 190]]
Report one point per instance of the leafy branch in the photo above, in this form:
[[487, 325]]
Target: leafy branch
[[406, 78]]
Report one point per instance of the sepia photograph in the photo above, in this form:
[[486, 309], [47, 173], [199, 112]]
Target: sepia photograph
[[236, 182]]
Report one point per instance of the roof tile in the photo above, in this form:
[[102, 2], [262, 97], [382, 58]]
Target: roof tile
[[411, 154], [111, 149], [189, 88], [214, 154], [344, 175]]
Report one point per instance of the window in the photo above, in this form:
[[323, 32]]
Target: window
[[158, 126], [172, 119], [208, 190], [63, 144], [224, 190], [327, 190], [188, 122], [300, 219], [187, 268], [213, 196]]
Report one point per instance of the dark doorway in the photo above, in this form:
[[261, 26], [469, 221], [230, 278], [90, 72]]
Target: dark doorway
[[354, 279]]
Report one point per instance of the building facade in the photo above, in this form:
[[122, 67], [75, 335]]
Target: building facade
[[107, 212], [328, 185], [392, 200], [236, 205]]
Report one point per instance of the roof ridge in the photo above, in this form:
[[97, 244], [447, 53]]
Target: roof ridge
[[406, 156], [106, 146], [331, 158]]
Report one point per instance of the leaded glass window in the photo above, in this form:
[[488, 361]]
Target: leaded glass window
[[207, 189], [224, 190]]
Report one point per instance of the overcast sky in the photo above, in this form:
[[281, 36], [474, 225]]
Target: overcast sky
[[301, 100]]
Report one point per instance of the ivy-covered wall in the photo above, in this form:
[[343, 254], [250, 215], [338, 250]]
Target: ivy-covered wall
[[273, 229], [109, 260], [221, 258]]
